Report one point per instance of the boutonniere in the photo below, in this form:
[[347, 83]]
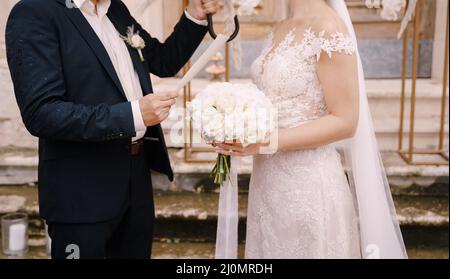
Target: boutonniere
[[135, 41]]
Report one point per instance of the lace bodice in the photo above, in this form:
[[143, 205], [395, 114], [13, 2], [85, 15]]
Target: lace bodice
[[287, 74]]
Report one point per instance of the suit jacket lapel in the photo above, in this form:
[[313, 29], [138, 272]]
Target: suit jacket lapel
[[94, 42], [121, 23]]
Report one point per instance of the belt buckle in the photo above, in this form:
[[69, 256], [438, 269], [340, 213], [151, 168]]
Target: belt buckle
[[140, 141], [136, 147]]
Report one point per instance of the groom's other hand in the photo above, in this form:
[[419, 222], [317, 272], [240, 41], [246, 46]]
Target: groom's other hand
[[155, 108], [201, 8]]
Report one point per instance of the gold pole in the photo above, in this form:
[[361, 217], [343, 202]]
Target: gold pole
[[403, 97], [444, 92], [186, 94], [189, 148], [415, 64], [407, 154]]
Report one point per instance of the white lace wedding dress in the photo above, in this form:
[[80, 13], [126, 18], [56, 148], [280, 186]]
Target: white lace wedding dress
[[300, 203]]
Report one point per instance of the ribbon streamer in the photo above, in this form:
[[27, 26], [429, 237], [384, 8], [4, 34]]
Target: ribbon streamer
[[228, 216], [204, 59]]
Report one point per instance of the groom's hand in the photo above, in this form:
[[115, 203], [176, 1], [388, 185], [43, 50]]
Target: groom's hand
[[200, 8], [155, 108]]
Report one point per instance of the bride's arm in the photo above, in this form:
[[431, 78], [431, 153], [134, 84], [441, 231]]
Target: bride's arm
[[338, 76]]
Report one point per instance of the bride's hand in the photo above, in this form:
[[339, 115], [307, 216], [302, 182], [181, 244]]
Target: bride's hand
[[238, 149]]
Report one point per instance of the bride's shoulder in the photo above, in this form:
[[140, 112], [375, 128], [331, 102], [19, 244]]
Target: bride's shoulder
[[329, 24], [333, 35]]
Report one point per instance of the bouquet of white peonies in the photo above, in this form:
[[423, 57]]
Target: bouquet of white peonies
[[225, 112]]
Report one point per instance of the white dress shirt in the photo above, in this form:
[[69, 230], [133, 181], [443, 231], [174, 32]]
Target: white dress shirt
[[119, 55]]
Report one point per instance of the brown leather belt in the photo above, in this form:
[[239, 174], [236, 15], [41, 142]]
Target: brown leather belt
[[136, 147]]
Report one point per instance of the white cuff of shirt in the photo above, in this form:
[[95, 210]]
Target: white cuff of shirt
[[139, 125], [193, 19]]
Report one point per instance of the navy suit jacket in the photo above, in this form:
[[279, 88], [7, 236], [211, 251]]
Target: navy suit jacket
[[71, 98]]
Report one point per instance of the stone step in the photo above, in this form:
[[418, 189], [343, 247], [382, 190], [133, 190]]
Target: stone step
[[189, 216], [384, 99], [426, 137], [404, 179], [423, 220], [426, 133], [19, 167], [413, 211], [173, 249]]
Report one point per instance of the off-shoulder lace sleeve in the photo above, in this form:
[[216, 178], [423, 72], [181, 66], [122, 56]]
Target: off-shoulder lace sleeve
[[336, 42]]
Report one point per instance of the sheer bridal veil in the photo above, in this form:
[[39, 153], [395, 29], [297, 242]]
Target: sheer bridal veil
[[381, 237]]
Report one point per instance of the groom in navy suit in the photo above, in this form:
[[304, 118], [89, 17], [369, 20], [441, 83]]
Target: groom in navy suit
[[81, 73]]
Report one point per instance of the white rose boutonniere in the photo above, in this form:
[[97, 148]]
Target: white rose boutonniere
[[135, 41]]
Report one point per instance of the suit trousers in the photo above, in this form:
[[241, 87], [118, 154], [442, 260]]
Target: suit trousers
[[127, 236]]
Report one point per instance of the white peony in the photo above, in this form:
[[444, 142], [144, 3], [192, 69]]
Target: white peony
[[225, 112], [232, 112]]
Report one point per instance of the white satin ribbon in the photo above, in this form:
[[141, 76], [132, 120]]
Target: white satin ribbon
[[228, 216], [204, 59]]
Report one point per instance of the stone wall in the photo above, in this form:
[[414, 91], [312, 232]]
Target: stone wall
[[12, 131]]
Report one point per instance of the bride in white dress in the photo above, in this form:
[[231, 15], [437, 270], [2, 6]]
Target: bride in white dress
[[301, 204]]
